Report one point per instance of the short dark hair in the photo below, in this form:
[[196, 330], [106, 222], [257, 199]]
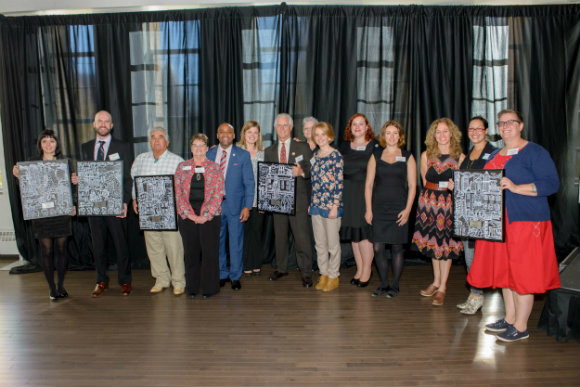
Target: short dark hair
[[483, 121], [50, 134]]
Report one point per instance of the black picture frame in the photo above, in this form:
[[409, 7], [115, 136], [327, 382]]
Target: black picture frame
[[45, 188], [276, 188], [100, 188], [478, 204], [155, 197]]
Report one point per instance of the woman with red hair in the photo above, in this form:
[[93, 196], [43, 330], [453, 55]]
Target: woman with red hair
[[356, 151]]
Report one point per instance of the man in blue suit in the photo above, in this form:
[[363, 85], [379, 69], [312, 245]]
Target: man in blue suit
[[236, 165]]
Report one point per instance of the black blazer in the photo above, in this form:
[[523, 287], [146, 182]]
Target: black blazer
[[125, 153]]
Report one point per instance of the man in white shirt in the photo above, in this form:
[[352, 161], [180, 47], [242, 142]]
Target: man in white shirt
[[161, 244]]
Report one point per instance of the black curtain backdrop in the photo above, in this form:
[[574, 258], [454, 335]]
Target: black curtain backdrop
[[327, 65]]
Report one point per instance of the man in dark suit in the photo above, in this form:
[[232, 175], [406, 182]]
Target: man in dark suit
[[236, 166], [106, 147], [289, 151]]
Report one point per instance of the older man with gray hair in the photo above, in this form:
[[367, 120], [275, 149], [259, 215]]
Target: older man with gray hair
[[161, 244]]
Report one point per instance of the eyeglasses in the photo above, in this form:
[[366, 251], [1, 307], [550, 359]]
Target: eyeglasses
[[478, 130], [507, 123]]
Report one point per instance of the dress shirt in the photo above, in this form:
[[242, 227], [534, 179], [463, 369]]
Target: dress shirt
[[218, 157], [105, 146], [287, 145], [146, 165]]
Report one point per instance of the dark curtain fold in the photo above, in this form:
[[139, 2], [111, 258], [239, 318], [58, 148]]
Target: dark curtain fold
[[413, 64]]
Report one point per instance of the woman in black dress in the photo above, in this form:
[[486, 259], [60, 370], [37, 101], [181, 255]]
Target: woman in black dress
[[390, 190], [52, 233], [356, 150]]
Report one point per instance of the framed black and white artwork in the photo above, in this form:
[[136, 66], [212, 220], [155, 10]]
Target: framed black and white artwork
[[100, 188], [45, 188], [478, 204], [276, 188], [156, 202]]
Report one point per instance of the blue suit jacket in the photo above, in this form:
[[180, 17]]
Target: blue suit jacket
[[239, 180]]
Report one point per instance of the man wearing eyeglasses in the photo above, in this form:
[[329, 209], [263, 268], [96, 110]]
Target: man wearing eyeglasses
[[289, 151]]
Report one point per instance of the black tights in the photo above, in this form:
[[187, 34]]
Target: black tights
[[397, 261], [53, 257]]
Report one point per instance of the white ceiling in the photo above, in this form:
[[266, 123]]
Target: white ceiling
[[53, 7]]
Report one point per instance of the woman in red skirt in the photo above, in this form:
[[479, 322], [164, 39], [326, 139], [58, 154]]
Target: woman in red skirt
[[525, 264]]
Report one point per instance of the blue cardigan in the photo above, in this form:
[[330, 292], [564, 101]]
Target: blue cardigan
[[532, 164]]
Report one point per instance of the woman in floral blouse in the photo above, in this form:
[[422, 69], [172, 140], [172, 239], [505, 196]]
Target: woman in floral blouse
[[326, 205], [199, 189]]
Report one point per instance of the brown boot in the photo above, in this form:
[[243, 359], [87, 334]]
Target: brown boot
[[331, 284], [321, 282]]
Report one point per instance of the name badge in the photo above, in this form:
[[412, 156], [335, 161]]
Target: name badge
[[199, 169], [400, 159], [361, 148], [513, 151], [187, 168], [299, 158], [485, 156], [47, 205], [312, 160], [443, 184], [114, 157]]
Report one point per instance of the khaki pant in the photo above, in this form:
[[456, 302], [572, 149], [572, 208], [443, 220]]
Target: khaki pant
[[327, 243], [162, 244]]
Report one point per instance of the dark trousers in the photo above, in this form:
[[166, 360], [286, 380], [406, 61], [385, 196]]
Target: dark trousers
[[254, 240], [201, 255], [301, 232], [117, 228]]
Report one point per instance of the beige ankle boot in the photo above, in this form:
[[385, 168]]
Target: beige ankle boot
[[321, 282], [331, 284]]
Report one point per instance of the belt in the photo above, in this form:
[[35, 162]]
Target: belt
[[434, 186]]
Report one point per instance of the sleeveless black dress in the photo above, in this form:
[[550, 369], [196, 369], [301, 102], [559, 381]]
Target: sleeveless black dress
[[390, 192]]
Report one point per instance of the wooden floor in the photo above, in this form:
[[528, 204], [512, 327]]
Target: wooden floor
[[268, 334]]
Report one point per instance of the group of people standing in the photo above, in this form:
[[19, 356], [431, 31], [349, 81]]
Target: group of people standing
[[363, 194]]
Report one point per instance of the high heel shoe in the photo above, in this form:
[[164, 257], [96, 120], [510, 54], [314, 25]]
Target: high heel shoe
[[362, 284], [354, 281]]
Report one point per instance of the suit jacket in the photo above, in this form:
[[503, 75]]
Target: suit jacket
[[125, 153], [239, 185], [296, 149]]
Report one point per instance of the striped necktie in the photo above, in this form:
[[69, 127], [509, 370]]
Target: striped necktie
[[223, 162], [101, 151]]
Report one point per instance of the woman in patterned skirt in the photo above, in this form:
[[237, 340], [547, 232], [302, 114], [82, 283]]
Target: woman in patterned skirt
[[434, 224]]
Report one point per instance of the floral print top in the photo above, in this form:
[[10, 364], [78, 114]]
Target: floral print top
[[326, 175], [213, 189]]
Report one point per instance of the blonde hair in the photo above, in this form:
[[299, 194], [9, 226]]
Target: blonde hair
[[455, 149], [383, 142], [245, 128], [326, 128]]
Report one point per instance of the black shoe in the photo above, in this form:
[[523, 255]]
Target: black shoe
[[354, 281], [307, 282], [223, 282], [275, 276], [236, 285], [53, 295], [380, 292], [392, 292], [61, 293], [191, 295], [207, 296], [365, 284]]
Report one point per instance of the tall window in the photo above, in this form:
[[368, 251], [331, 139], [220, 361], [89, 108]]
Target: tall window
[[490, 69], [261, 72]]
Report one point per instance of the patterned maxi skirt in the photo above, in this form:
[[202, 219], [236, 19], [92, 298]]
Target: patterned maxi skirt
[[434, 226]]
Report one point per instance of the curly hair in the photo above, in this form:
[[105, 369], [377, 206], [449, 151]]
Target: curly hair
[[382, 140], [247, 126], [454, 143], [199, 136], [369, 135]]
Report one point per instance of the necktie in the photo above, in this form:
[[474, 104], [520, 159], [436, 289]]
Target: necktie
[[101, 151], [223, 162], [283, 158]]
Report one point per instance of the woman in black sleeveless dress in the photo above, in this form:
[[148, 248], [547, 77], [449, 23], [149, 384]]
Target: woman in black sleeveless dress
[[389, 194]]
